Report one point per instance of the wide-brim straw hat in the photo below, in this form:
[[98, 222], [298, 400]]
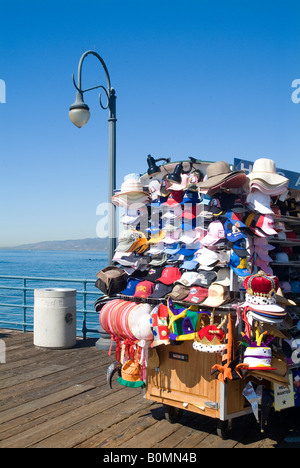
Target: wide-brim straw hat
[[126, 200], [219, 174], [131, 192], [265, 169]]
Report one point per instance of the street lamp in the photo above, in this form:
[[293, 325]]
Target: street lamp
[[79, 115]]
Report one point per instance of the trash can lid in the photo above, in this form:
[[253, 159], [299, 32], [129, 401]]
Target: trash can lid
[[54, 292]]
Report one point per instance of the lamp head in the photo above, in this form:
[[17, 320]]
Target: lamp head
[[176, 175], [153, 169], [79, 111]]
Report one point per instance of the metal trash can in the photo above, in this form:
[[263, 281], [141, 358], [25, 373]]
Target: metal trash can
[[54, 318]]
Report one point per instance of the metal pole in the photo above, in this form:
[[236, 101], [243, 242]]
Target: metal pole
[[112, 228]]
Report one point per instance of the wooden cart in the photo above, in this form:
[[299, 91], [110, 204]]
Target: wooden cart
[[183, 381]]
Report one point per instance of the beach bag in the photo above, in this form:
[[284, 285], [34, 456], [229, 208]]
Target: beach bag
[[111, 280]]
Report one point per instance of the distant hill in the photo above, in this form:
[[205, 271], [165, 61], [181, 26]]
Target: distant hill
[[92, 244]]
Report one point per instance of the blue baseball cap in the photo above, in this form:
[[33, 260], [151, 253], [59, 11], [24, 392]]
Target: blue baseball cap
[[206, 199], [190, 197], [187, 252], [190, 263], [233, 230], [238, 265], [173, 248], [131, 286]]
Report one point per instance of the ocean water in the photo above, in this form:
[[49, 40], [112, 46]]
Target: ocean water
[[57, 265]]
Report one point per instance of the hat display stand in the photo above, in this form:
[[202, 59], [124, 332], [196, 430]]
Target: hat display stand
[[211, 267]]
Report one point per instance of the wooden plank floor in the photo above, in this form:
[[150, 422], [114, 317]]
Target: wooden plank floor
[[60, 399]]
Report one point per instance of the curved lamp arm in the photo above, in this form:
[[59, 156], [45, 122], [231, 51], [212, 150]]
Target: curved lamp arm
[[109, 91], [91, 52]]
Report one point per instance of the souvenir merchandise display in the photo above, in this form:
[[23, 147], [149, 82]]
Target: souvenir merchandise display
[[207, 260]]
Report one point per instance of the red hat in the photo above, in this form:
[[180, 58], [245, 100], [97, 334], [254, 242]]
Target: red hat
[[209, 333], [169, 275], [144, 289], [197, 295], [261, 285], [189, 212], [175, 198]]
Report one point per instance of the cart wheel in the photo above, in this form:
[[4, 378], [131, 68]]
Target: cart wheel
[[224, 429], [172, 414]]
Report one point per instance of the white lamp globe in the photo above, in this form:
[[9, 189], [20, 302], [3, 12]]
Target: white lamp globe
[[79, 112]]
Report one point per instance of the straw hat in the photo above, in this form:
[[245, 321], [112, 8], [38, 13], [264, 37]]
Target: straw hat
[[265, 169], [131, 192], [219, 174]]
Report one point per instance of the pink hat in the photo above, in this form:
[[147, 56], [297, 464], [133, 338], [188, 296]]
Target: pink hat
[[183, 183], [215, 232], [261, 253], [262, 243]]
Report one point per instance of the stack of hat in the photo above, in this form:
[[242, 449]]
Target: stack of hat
[[188, 230], [264, 179], [260, 250], [219, 175], [156, 283], [131, 193], [126, 320], [261, 302], [196, 227], [177, 257], [192, 286], [135, 215], [132, 241], [261, 225]]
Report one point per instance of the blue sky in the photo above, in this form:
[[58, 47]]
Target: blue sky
[[200, 78]]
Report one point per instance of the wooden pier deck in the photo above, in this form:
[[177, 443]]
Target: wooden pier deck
[[60, 399]]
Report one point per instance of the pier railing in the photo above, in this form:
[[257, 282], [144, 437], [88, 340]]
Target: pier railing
[[17, 302]]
